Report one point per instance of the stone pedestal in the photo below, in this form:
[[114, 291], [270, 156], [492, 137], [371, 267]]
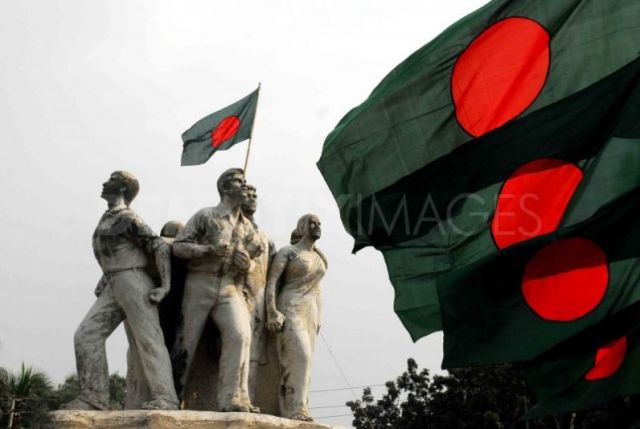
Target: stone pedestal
[[141, 419]]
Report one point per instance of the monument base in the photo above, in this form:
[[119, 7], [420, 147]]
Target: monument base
[[142, 419]]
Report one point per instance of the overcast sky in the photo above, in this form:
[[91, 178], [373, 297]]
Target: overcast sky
[[88, 87]]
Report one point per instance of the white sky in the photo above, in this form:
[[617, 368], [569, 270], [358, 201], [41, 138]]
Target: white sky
[[88, 87]]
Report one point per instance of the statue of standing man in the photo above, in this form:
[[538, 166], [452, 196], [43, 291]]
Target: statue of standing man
[[254, 292], [215, 261], [122, 244]]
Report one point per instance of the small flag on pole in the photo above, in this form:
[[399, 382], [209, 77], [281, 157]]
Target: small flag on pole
[[219, 130]]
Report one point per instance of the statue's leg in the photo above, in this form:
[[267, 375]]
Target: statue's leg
[[295, 352], [231, 316], [200, 294], [91, 357], [137, 388], [258, 350], [131, 289]]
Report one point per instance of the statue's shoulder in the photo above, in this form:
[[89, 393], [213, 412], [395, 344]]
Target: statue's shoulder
[[129, 214], [287, 252], [127, 217], [208, 212], [203, 215]]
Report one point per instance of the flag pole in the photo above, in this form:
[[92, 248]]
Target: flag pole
[[246, 159]]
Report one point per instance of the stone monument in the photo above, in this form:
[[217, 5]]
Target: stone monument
[[264, 370], [137, 391], [122, 244], [210, 242], [239, 318], [143, 419], [200, 388], [294, 313]]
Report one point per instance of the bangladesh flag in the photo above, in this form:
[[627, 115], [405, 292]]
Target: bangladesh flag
[[519, 97], [516, 304], [590, 369], [506, 275], [219, 131]]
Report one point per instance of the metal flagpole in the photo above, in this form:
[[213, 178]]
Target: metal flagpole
[[246, 159]]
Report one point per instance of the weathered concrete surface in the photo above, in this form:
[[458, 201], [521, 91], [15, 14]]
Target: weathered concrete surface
[[201, 389], [298, 269], [142, 419]]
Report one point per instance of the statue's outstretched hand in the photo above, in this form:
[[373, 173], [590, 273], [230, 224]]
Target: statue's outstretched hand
[[275, 321], [158, 294]]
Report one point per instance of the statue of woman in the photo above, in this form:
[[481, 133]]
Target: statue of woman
[[295, 314]]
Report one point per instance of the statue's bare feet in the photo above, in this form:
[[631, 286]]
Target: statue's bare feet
[[159, 404], [254, 409], [79, 404], [302, 417]]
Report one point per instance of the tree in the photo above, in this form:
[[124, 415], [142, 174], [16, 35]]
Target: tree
[[70, 389], [66, 391], [24, 397], [472, 398], [117, 391], [27, 397]]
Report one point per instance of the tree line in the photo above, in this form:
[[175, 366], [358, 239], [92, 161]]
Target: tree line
[[27, 396], [475, 398], [469, 398]]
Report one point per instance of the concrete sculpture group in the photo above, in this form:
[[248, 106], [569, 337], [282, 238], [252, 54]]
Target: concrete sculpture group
[[238, 323]]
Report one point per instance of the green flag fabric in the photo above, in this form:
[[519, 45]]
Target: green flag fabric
[[574, 159], [219, 130], [517, 89], [597, 366], [508, 59], [519, 303]]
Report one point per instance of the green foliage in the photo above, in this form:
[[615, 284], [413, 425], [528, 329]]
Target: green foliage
[[66, 391], [35, 396], [472, 398], [117, 391], [24, 396]]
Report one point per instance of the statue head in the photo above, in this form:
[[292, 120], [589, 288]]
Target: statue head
[[250, 203], [231, 184], [309, 226], [171, 229], [121, 183]]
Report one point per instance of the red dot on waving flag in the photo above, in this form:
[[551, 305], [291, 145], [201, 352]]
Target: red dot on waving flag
[[532, 201], [608, 360], [226, 129], [500, 74], [566, 280]]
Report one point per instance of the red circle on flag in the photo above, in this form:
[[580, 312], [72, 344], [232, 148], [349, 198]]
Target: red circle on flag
[[566, 280], [532, 201], [226, 129], [608, 360], [500, 74]]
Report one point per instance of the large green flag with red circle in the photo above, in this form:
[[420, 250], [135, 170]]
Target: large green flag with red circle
[[600, 364], [531, 258], [219, 130], [505, 133]]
